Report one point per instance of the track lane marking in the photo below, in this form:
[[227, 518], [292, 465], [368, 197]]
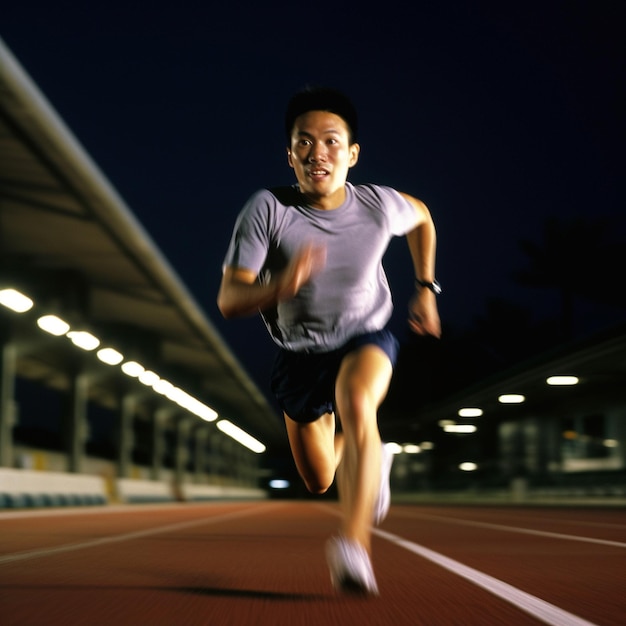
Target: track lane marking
[[577, 522], [104, 509], [512, 529], [540, 609], [139, 534]]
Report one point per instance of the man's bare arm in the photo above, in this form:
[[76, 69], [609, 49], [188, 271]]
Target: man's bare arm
[[422, 242], [240, 293]]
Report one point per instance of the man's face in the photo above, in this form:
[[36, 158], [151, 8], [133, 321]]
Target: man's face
[[321, 155]]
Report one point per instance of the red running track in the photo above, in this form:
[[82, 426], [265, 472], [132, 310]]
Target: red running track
[[263, 563]]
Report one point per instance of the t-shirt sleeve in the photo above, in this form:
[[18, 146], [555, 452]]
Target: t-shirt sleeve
[[402, 215], [250, 240]]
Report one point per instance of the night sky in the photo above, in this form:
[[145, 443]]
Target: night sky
[[497, 115]]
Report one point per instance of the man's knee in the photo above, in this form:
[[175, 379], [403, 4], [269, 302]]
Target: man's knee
[[357, 408], [318, 484]]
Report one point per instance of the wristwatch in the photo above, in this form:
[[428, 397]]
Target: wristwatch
[[435, 287]]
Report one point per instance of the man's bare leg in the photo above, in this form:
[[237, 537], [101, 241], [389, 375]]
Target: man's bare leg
[[362, 384], [316, 451]]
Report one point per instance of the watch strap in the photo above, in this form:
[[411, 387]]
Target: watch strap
[[435, 287]]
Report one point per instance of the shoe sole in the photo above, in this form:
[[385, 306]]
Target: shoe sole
[[340, 576]]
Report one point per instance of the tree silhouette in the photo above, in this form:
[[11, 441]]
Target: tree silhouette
[[508, 332], [580, 258]]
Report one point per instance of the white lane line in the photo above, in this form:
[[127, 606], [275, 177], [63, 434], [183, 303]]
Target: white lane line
[[43, 552], [540, 609], [105, 509], [512, 529], [576, 522]]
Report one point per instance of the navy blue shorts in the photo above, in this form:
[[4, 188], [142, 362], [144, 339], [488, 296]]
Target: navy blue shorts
[[304, 382]]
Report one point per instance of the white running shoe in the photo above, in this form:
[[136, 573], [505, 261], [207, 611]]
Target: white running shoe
[[350, 567], [383, 501]]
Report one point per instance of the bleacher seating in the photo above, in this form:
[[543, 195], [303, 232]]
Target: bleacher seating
[[28, 488]]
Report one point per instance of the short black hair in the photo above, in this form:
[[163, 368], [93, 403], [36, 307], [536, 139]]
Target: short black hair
[[321, 99]]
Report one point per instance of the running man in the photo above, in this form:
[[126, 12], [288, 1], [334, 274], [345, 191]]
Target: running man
[[309, 259]]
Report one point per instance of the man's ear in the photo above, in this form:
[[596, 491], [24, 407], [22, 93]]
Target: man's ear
[[289, 157], [355, 150]]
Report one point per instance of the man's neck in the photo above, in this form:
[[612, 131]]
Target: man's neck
[[330, 202]]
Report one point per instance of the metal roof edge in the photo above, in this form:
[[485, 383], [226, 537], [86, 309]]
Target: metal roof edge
[[599, 344]]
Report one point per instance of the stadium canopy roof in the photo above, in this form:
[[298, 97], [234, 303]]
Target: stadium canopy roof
[[591, 371], [70, 241]]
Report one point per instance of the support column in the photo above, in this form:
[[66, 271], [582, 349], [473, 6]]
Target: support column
[[200, 442], [215, 457], [248, 467], [76, 425], [243, 468], [181, 452], [125, 435], [7, 403], [158, 445], [229, 456]]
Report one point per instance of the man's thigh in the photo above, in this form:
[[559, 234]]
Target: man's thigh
[[363, 378]]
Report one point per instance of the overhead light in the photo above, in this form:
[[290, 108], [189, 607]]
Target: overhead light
[[148, 378], [203, 411], [241, 436], [468, 466], [411, 448], [176, 395], [393, 447], [460, 428], [15, 300], [162, 386], [83, 339], [110, 356], [279, 483], [470, 412], [132, 368], [444, 423], [427, 445], [562, 380], [53, 325], [511, 398]]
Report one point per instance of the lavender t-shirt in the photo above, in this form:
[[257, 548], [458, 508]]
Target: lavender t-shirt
[[351, 294]]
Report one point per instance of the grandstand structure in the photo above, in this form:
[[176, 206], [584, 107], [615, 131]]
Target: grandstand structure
[[553, 427], [96, 322]]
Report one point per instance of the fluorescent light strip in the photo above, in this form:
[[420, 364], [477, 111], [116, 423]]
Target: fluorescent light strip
[[110, 356], [511, 398], [15, 300], [241, 436], [53, 325], [85, 340], [562, 380], [460, 428]]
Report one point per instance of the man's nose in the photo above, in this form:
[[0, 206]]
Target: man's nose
[[318, 153]]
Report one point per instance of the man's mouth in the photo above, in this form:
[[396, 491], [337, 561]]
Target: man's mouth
[[318, 173]]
